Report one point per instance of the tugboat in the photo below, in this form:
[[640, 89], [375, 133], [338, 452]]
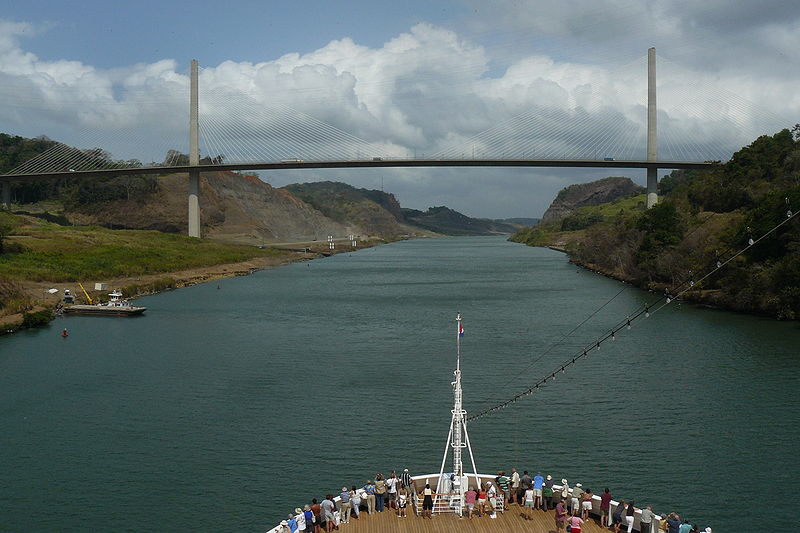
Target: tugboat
[[115, 306]]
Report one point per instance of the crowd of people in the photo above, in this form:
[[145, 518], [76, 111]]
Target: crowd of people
[[571, 506]]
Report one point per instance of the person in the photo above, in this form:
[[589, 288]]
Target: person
[[565, 492], [605, 504], [646, 520], [538, 482], [504, 482], [300, 519], [529, 503], [427, 501], [548, 495], [292, 523], [561, 516], [380, 492], [686, 527], [407, 481], [491, 494], [617, 516], [577, 493], [317, 510], [392, 484], [673, 523], [311, 525], [402, 502], [575, 522], [525, 483], [327, 507], [482, 500], [470, 499], [586, 504], [284, 527], [369, 490], [355, 501], [630, 515], [515, 487], [344, 506]]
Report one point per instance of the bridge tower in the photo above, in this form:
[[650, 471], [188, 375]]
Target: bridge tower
[[194, 156], [652, 142]]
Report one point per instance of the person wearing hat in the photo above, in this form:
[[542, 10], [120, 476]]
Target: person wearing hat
[[344, 506], [548, 496], [292, 523], [407, 481], [577, 493], [300, 519], [284, 527]]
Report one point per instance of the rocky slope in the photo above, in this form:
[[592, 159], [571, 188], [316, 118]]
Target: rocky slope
[[593, 193], [234, 208]]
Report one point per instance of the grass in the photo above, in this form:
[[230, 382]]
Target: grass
[[57, 253]]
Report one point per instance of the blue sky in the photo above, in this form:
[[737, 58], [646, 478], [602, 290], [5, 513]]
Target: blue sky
[[412, 77]]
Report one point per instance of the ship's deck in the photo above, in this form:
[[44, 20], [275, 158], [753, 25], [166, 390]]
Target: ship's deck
[[511, 520]]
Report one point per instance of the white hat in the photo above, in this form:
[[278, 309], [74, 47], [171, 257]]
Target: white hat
[[549, 477], [344, 489], [563, 481], [405, 470], [708, 530], [578, 485], [284, 523], [297, 510]]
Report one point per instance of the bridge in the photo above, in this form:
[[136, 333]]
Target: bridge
[[279, 137]]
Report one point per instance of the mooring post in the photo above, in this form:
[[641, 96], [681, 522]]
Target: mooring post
[[194, 157], [652, 142], [6, 195]]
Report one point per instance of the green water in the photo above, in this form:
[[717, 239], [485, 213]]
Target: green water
[[223, 409]]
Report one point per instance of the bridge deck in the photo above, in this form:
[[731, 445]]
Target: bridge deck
[[511, 520]]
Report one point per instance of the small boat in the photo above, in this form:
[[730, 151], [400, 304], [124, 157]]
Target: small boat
[[115, 306], [64, 333]]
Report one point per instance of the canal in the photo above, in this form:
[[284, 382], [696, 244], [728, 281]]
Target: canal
[[228, 404]]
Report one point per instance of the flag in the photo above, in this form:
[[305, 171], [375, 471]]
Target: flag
[[460, 330]]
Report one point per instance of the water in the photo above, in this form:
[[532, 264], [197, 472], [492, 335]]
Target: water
[[224, 409]]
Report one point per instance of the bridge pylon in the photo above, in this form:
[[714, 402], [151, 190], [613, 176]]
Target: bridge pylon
[[652, 138], [194, 156]]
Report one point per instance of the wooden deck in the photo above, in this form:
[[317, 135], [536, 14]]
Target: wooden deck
[[509, 521]]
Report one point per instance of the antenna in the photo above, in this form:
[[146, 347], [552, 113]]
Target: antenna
[[458, 438]]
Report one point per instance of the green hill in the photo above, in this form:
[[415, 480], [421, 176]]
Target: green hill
[[703, 216]]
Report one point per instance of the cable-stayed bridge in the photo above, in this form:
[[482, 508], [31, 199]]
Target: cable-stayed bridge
[[236, 131]]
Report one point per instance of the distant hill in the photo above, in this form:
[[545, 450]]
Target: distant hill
[[365, 210], [520, 221], [449, 222], [592, 193]]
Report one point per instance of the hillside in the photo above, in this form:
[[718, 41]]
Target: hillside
[[593, 193], [449, 222], [702, 217], [361, 210]]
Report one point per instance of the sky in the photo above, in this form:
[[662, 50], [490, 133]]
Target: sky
[[405, 79]]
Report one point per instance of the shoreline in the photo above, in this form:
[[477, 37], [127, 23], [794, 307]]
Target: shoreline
[[146, 285]]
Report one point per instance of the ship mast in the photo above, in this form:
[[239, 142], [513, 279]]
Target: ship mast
[[458, 438]]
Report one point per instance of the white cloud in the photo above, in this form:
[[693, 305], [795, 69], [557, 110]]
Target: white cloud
[[427, 90]]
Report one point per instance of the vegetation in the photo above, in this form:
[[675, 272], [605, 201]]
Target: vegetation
[[702, 217], [54, 253]]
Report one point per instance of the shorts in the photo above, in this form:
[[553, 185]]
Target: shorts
[[537, 492], [603, 512], [392, 496], [528, 503], [586, 506], [470, 505]]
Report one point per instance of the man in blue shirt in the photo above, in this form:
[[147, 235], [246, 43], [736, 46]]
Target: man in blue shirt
[[673, 523], [538, 481]]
